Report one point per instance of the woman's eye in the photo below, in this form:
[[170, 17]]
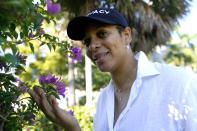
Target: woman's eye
[[102, 34], [86, 42]]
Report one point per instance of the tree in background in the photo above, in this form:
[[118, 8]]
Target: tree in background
[[182, 53], [152, 20]]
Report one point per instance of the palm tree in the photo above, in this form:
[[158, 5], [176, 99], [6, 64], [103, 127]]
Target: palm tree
[[152, 20]]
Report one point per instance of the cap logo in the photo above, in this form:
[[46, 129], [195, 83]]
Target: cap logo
[[98, 12]]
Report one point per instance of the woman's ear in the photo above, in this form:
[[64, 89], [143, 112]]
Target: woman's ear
[[127, 35]]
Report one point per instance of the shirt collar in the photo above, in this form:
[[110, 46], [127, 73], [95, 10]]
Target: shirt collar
[[145, 68]]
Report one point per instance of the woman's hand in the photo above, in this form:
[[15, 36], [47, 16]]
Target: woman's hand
[[52, 111]]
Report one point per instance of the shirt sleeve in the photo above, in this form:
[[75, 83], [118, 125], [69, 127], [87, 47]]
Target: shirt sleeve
[[190, 105]]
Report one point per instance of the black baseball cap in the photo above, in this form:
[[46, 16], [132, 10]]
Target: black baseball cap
[[76, 27]]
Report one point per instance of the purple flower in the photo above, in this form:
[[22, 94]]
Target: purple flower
[[41, 21], [77, 54], [52, 9], [41, 33], [60, 87], [31, 36], [32, 117], [15, 98], [20, 57], [42, 80], [18, 80], [52, 79], [60, 84], [24, 89], [33, 122], [61, 90], [1, 66], [71, 112]]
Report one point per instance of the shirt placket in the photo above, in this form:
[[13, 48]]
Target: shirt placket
[[133, 94]]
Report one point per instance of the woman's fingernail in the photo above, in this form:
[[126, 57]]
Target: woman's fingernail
[[41, 92]]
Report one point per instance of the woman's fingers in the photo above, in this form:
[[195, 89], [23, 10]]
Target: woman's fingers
[[46, 107], [39, 97], [66, 120], [51, 109], [35, 97], [37, 91]]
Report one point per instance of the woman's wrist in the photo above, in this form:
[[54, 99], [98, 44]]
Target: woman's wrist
[[74, 127]]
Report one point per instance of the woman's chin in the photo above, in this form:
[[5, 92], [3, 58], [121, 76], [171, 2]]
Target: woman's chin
[[104, 69]]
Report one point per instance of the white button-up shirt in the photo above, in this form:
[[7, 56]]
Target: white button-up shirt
[[162, 98]]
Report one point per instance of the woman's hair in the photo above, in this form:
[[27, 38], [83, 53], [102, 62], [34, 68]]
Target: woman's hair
[[120, 28]]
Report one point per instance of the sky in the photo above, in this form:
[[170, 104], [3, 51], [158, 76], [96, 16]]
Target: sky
[[188, 25]]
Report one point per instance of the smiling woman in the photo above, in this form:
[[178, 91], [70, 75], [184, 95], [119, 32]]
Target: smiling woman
[[140, 95], [104, 48]]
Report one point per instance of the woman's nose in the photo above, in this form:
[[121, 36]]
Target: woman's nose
[[95, 44]]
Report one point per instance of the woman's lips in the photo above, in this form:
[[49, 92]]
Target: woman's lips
[[100, 57]]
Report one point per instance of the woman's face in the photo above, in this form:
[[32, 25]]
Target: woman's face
[[105, 46]]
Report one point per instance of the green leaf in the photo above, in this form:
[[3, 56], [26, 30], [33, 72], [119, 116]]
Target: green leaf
[[31, 46], [9, 34], [49, 46], [36, 87], [56, 95], [52, 88], [43, 43], [14, 48], [23, 107], [12, 27], [15, 34], [54, 46], [37, 23], [21, 34], [25, 30], [12, 59], [20, 67]]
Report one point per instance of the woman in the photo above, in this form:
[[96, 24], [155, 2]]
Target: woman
[[140, 96]]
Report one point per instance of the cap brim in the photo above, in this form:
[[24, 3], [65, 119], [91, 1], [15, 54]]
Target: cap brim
[[76, 27]]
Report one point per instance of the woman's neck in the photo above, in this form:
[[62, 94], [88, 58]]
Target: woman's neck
[[126, 74]]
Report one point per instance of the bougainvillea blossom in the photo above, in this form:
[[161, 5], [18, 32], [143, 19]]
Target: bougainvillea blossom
[[1, 66], [42, 80], [53, 8], [71, 112], [31, 36], [76, 54], [32, 119], [60, 86], [24, 89], [20, 57]]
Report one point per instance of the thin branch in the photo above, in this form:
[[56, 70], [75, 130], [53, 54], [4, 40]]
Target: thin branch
[[3, 118], [23, 98]]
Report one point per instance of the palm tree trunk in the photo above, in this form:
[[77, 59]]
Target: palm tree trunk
[[88, 75], [71, 83], [90, 4]]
